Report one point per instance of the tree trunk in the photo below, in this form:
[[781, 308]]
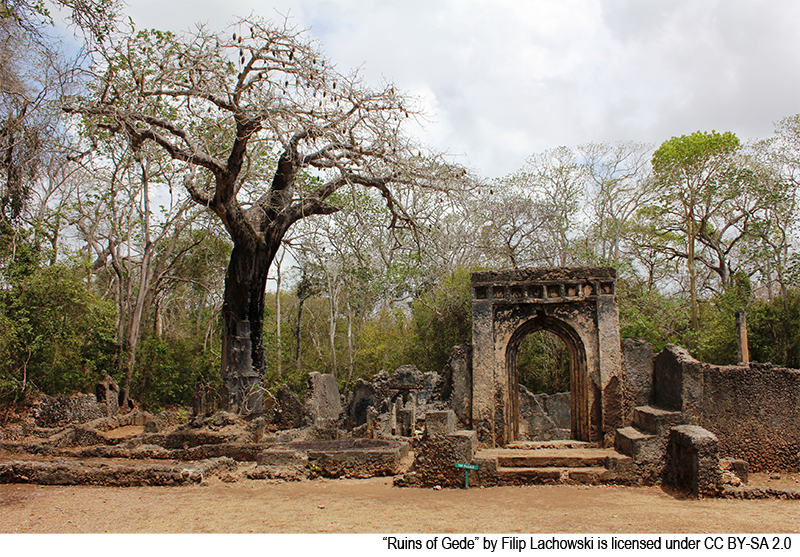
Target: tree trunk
[[278, 317], [243, 361], [350, 363], [298, 331]]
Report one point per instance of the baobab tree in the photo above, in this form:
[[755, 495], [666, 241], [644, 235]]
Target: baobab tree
[[269, 133]]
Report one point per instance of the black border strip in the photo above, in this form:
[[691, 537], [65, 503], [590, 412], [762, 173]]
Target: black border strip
[[589, 544]]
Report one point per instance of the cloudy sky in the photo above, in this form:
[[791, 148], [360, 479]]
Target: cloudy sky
[[504, 79]]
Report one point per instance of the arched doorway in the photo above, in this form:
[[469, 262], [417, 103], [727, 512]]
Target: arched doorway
[[577, 304], [579, 411]]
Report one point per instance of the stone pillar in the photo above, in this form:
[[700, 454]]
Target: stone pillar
[[483, 384], [741, 337], [611, 379]]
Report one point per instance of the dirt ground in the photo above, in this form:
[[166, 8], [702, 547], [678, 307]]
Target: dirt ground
[[375, 506]]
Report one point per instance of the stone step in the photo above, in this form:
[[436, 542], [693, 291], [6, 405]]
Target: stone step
[[551, 459], [531, 473], [583, 475], [553, 444], [656, 421], [631, 441]]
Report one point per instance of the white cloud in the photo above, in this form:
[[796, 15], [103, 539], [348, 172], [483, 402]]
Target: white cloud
[[504, 79]]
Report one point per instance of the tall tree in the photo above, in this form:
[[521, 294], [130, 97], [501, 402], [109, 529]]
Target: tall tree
[[219, 104], [620, 179], [693, 174]]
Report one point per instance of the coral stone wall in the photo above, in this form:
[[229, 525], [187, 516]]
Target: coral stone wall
[[754, 410]]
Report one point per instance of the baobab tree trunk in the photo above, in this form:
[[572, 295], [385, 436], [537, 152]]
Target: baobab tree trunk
[[243, 361]]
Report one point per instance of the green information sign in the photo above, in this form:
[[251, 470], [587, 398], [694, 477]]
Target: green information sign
[[466, 468]]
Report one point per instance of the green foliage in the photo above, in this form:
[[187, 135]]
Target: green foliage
[[543, 363], [383, 343], [774, 330], [442, 319], [55, 335], [650, 315], [693, 157], [717, 344], [168, 369]]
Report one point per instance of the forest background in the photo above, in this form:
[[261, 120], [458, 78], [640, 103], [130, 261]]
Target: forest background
[[107, 264]]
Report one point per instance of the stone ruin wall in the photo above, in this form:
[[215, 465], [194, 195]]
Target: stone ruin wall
[[753, 409]]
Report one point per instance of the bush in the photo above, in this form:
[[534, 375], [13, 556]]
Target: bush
[[774, 330], [442, 319], [55, 335], [167, 371]]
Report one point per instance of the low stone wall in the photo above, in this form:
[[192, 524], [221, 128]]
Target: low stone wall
[[693, 460], [352, 457], [77, 408], [754, 410], [543, 417]]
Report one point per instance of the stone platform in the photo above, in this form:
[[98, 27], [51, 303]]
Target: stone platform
[[351, 457]]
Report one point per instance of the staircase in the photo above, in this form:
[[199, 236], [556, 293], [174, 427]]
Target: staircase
[[554, 462], [645, 441]]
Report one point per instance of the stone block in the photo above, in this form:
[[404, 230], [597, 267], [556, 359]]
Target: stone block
[[289, 411], [107, 392], [655, 420], [741, 468], [62, 410], [406, 419], [637, 373], [693, 460], [534, 423], [440, 423], [322, 398], [465, 444]]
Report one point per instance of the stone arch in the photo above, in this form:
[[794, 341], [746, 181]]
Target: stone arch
[[579, 411], [577, 304]]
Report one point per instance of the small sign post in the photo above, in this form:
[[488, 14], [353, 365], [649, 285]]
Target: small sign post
[[466, 468]]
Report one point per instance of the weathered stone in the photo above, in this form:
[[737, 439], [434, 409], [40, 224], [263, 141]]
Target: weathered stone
[[427, 393], [66, 472], [107, 392], [752, 409], [406, 419], [358, 458], [557, 408], [740, 468], [61, 410], [693, 460], [577, 304], [457, 383], [289, 412], [534, 423], [77, 435], [364, 396], [435, 458], [637, 373], [323, 403], [406, 376], [440, 423]]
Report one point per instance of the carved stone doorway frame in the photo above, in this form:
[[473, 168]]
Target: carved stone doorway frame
[[577, 304]]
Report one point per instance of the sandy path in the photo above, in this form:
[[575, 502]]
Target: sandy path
[[374, 506]]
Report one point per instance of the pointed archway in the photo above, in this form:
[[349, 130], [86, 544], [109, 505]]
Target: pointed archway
[[579, 410], [577, 304]]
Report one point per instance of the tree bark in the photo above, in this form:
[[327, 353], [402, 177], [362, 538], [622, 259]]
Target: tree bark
[[243, 360]]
